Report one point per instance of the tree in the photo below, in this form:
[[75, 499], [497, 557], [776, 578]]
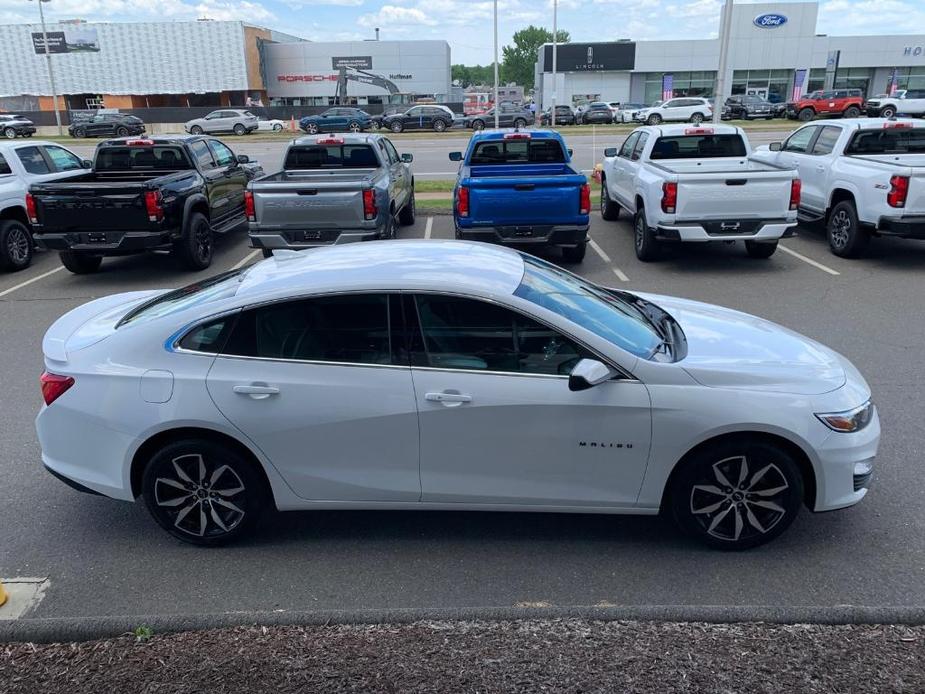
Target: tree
[[520, 58], [473, 74]]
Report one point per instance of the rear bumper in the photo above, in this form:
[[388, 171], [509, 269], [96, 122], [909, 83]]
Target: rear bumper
[[727, 230], [561, 235], [107, 242], [299, 239], [905, 227]]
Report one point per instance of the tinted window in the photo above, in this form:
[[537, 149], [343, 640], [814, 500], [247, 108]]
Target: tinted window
[[799, 141], [698, 147], [32, 160], [331, 157], [352, 328], [415, 112], [202, 153], [825, 143], [131, 158], [209, 337], [392, 152], [627, 149], [4, 166], [223, 155], [640, 144], [513, 151], [464, 333], [888, 141], [62, 159]]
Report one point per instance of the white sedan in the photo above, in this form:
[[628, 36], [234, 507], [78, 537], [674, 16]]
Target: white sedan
[[447, 375], [271, 124]]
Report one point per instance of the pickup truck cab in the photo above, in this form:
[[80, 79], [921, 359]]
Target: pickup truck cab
[[169, 193], [698, 184], [519, 188], [863, 177], [332, 189]]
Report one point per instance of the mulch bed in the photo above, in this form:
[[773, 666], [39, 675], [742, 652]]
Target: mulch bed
[[568, 655]]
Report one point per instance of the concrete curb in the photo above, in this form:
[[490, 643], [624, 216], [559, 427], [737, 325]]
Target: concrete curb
[[49, 630]]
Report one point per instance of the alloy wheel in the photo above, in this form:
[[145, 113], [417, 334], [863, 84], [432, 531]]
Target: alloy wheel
[[202, 500], [202, 238], [311, 129], [17, 245], [735, 504], [354, 127], [840, 229], [10, 134], [639, 231]]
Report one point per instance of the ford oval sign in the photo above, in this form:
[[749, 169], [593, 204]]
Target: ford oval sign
[[770, 21]]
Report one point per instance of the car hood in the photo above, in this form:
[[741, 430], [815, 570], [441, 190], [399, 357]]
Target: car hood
[[731, 349]]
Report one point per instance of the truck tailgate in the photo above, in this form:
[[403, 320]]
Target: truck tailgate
[[746, 195], [308, 202], [105, 207], [547, 193]]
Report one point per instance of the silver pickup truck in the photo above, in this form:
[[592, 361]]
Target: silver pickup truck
[[332, 189]]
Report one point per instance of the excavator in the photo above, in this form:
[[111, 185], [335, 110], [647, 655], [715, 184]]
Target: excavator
[[356, 75]]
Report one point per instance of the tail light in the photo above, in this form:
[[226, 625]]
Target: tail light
[[249, 206], [31, 212], [54, 386], [669, 197], [369, 204], [584, 206], [462, 202], [899, 190], [796, 188], [153, 202]]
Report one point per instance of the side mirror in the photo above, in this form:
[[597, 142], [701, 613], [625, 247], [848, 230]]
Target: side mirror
[[244, 159], [407, 158], [588, 373], [455, 156], [775, 146], [610, 152], [86, 163], [570, 152]]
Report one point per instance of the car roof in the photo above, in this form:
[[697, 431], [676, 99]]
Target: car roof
[[869, 123], [501, 133], [441, 266], [682, 128]]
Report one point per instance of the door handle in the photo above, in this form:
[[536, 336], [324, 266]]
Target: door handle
[[448, 399], [257, 391], [820, 167]]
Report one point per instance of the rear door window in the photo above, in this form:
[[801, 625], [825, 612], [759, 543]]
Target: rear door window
[[825, 143], [4, 166], [223, 155], [888, 141], [32, 160]]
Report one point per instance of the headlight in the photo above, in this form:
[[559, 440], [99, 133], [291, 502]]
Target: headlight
[[849, 421]]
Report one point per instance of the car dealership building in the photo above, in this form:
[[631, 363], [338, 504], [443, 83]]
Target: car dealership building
[[774, 52]]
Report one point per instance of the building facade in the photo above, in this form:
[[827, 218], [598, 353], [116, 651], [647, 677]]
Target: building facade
[[774, 52]]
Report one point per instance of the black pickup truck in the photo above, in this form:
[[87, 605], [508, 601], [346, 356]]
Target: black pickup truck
[[170, 193]]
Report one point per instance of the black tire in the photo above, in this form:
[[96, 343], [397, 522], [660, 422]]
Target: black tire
[[196, 245], [396, 127], [697, 118], [312, 128], [439, 126], [390, 231], [80, 263], [610, 211], [760, 250], [888, 112], [15, 245], [267, 252], [710, 499], [197, 485], [806, 115], [478, 125], [851, 112], [277, 127], [654, 119], [121, 131], [9, 133], [768, 117], [354, 126], [196, 130], [27, 134], [519, 123], [239, 129], [408, 212], [575, 254], [80, 132], [646, 245], [846, 237]]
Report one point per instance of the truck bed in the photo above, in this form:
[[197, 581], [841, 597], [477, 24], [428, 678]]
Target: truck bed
[[715, 166]]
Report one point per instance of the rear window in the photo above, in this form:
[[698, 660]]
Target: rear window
[[131, 158], [214, 288], [698, 147], [888, 141], [331, 157], [518, 151]]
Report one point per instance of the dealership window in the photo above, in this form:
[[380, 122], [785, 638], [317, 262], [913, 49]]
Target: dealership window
[[773, 85], [699, 83], [854, 78], [816, 80], [908, 78]]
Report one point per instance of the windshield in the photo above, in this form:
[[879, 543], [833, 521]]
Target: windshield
[[888, 141], [218, 287], [593, 308], [698, 147], [141, 158], [535, 151]]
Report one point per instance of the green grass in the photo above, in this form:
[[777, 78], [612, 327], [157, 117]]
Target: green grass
[[434, 186]]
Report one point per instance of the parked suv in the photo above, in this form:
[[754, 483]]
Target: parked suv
[[429, 117], [509, 116], [227, 120], [107, 125], [693, 109], [340, 119], [597, 113], [746, 107], [903, 102], [564, 116], [14, 126], [834, 102]]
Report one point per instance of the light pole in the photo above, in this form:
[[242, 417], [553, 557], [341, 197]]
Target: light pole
[[719, 94], [497, 113], [555, 46], [51, 73]]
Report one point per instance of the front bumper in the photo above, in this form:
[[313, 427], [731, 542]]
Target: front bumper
[[904, 227], [300, 239], [107, 242], [727, 230], [844, 467], [560, 235]]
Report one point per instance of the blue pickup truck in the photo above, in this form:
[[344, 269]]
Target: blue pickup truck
[[519, 188]]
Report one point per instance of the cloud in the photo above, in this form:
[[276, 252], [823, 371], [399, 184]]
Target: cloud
[[136, 10], [395, 16]]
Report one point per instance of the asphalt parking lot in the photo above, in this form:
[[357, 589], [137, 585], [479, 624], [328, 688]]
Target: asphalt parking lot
[[103, 557]]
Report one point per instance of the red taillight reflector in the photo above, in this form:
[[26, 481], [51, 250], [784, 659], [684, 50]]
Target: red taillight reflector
[[517, 136], [153, 205], [462, 201], [899, 190], [369, 204], [698, 131], [54, 386], [31, 212], [140, 143], [898, 124], [330, 141], [249, 206], [584, 206], [796, 189], [669, 197]]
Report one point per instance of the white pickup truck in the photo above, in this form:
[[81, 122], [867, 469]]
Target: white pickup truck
[[687, 183], [864, 177]]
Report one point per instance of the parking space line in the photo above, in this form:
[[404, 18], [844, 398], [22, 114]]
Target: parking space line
[[30, 281], [809, 261], [246, 259], [429, 227], [599, 251], [620, 275]]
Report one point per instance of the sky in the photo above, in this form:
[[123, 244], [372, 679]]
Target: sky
[[466, 24]]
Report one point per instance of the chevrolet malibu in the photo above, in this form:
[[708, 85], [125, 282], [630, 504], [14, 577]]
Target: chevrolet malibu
[[447, 375]]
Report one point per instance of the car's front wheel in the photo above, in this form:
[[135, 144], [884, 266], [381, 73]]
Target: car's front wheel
[[439, 126], [737, 494], [654, 119], [311, 128], [354, 126], [519, 123], [697, 118], [396, 127], [806, 115], [196, 130], [79, 132], [277, 127], [478, 125], [121, 131], [852, 112], [203, 492], [888, 112]]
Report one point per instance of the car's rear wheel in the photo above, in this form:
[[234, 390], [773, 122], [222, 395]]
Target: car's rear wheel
[[646, 245], [196, 130], [9, 133], [239, 129], [852, 112], [654, 119], [610, 210], [354, 126], [697, 118], [121, 131], [408, 213], [575, 254], [888, 112], [806, 115], [203, 492], [194, 249], [311, 128], [846, 237], [760, 250], [396, 127], [478, 125], [737, 494], [80, 263], [519, 123], [439, 126], [80, 132], [15, 245]]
